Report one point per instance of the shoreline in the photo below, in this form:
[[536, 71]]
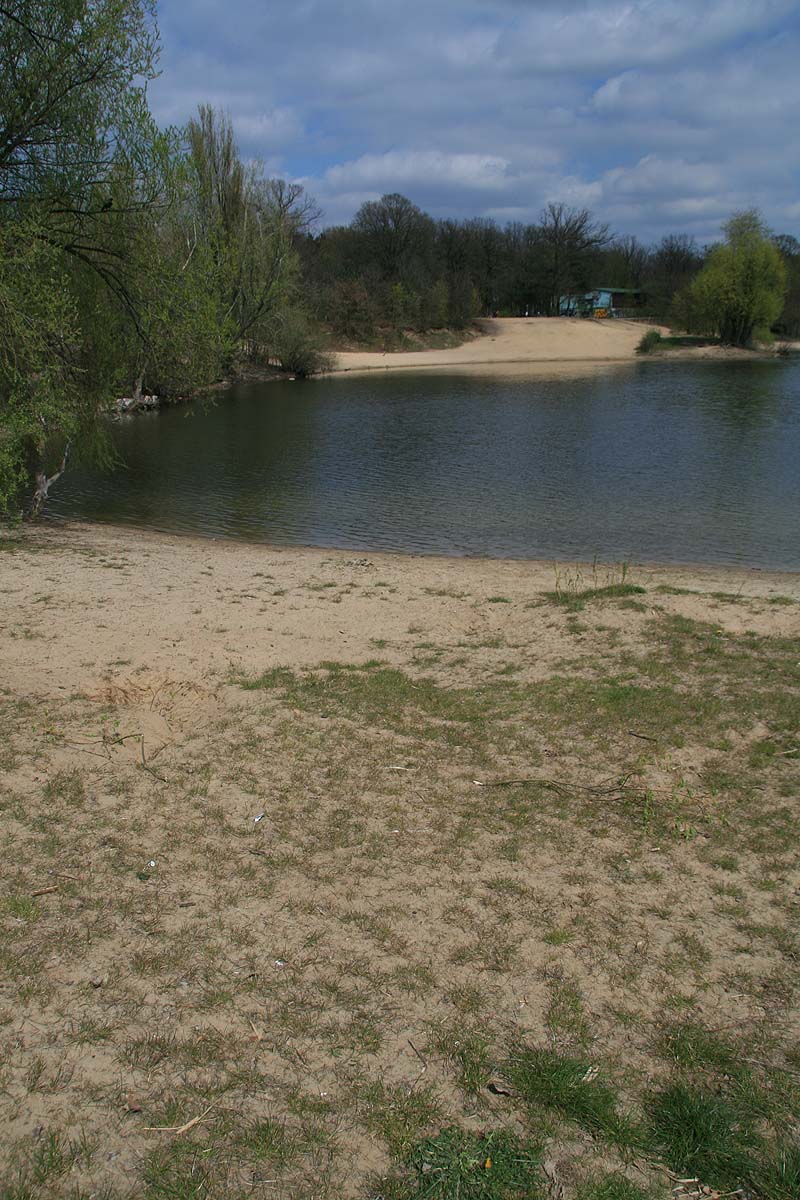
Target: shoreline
[[549, 343], [522, 344], [81, 603]]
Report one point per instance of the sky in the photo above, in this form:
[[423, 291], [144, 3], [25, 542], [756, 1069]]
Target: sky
[[660, 116]]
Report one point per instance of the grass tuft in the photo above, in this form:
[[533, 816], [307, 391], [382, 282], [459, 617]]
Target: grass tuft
[[570, 1086], [702, 1135], [457, 1165]]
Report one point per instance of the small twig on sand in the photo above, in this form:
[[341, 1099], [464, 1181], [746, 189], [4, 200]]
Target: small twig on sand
[[643, 736], [45, 891], [177, 1130], [424, 1066], [419, 1056], [147, 768]]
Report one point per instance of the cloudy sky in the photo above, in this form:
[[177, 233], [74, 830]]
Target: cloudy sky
[[659, 115]]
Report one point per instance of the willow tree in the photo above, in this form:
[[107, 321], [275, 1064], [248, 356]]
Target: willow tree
[[81, 166], [741, 287]]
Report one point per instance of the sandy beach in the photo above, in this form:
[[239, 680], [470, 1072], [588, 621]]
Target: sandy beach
[[178, 606], [299, 843], [555, 345], [516, 340]]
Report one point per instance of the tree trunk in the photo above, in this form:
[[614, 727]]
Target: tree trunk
[[44, 483]]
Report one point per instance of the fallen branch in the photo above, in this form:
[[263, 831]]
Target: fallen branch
[[45, 891], [45, 482], [618, 785]]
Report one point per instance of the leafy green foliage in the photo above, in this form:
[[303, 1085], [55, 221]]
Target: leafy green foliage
[[81, 162], [128, 261], [742, 285], [649, 342]]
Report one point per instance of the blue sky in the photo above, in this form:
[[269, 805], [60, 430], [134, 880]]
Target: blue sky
[[660, 116]]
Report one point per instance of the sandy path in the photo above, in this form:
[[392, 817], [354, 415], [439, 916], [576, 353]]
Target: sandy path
[[517, 340]]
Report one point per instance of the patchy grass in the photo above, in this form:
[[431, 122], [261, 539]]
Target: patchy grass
[[575, 601], [523, 894]]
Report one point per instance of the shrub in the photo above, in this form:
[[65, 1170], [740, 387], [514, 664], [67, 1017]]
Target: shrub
[[297, 347], [649, 342]]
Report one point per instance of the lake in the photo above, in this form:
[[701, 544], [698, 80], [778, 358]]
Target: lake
[[650, 461]]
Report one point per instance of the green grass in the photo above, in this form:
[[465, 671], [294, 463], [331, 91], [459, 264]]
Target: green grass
[[576, 599], [692, 1047], [458, 1165], [469, 1052], [702, 1135], [615, 1187], [571, 1088], [400, 1117]]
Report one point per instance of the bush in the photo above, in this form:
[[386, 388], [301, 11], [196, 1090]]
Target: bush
[[650, 341], [297, 347]]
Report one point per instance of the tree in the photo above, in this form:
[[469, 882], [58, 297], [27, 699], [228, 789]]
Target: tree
[[741, 287], [396, 233], [672, 265], [789, 249], [624, 263], [81, 164], [248, 222], [567, 243]]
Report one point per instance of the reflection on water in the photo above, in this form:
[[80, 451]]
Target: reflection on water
[[652, 461]]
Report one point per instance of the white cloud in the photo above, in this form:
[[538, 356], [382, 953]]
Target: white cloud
[[403, 167], [272, 130]]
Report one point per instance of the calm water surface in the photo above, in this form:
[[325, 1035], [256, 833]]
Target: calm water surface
[[668, 462]]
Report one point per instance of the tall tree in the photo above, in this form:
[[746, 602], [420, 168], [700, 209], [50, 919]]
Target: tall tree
[[396, 232], [789, 250], [672, 265], [248, 221], [568, 240], [742, 285]]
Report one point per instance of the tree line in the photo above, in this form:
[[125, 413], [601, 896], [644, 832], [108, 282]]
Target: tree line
[[135, 259], [394, 269]]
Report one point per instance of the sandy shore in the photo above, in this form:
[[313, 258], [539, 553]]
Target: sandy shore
[[553, 344], [86, 597], [517, 340]]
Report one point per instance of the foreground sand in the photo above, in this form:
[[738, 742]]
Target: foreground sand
[[191, 608], [249, 877]]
